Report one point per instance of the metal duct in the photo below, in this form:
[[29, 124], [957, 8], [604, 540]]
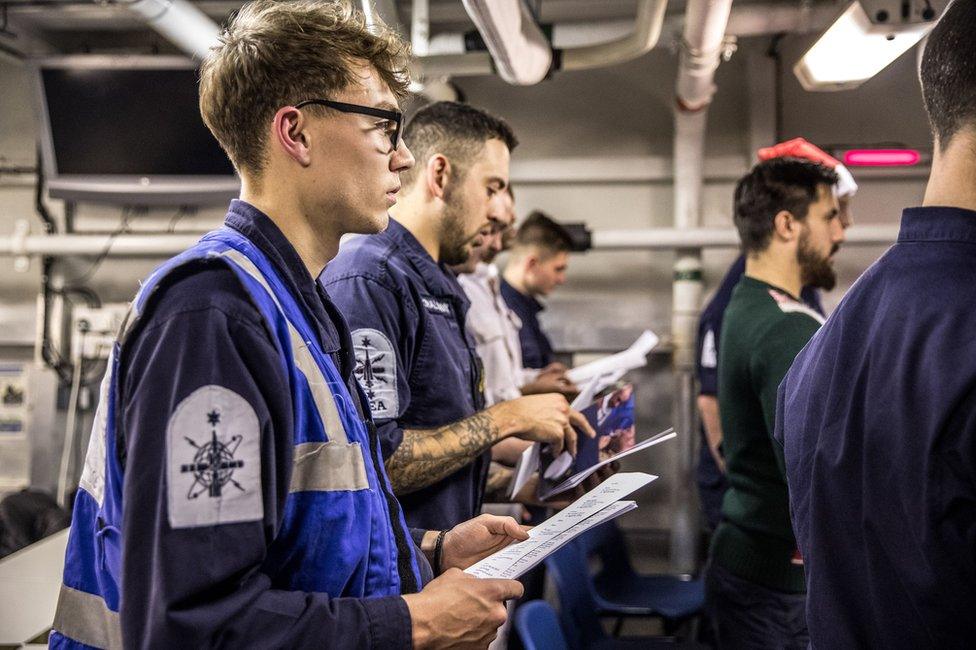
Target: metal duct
[[450, 55], [23, 245], [647, 31], [641, 39], [520, 50], [179, 22], [702, 42]]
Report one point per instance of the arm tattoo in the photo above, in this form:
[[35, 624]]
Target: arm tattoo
[[427, 456]]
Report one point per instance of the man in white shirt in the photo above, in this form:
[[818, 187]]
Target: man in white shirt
[[495, 328]]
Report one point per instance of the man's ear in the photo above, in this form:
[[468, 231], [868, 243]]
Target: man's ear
[[437, 173], [290, 135], [786, 227]]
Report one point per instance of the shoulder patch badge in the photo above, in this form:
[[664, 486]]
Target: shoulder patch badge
[[376, 368], [213, 456], [709, 354]]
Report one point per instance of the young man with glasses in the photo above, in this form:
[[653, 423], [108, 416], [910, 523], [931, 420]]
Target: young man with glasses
[[233, 493], [415, 360]]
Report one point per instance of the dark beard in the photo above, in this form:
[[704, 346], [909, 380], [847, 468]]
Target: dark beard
[[815, 271], [454, 248]]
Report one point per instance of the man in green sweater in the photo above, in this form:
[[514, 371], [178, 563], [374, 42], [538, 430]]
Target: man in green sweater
[[787, 218]]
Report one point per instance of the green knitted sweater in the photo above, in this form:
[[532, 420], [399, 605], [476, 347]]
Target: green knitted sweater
[[763, 330]]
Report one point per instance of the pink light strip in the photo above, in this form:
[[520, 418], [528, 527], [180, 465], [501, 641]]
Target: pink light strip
[[881, 157]]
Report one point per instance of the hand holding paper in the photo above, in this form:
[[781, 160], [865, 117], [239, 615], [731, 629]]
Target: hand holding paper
[[601, 504], [477, 538]]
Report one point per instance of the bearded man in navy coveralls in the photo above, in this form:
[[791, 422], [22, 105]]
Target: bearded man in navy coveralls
[[877, 416], [416, 360], [233, 493]]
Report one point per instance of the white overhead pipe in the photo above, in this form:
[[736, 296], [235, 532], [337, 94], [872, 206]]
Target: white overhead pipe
[[180, 22], [381, 13], [702, 44], [447, 49], [642, 37], [701, 50], [647, 31], [21, 245], [156, 245], [420, 27], [521, 52], [665, 239]]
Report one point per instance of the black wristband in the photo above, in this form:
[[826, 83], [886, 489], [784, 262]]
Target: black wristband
[[439, 551]]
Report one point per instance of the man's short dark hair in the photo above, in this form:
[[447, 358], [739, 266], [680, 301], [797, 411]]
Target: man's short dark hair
[[778, 184], [458, 131], [542, 232], [948, 72]]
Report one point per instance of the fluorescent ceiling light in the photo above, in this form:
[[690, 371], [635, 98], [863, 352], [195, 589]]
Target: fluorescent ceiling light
[[854, 49]]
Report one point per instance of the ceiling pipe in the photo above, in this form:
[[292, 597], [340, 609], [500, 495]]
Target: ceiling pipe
[[420, 27], [449, 49], [180, 22], [668, 239], [642, 37], [521, 52], [150, 246], [702, 45], [647, 31], [380, 14]]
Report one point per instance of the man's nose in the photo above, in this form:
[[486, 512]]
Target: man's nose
[[402, 158], [496, 242], [840, 231]]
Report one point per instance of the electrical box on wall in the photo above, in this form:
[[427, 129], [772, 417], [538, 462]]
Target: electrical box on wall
[[28, 394], [93, 329]]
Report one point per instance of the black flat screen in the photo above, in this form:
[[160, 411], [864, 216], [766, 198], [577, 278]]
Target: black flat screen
[[130, 122]]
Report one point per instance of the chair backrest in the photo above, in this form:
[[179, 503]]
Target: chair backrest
[[538, 627], [607, 542], [577, 600]]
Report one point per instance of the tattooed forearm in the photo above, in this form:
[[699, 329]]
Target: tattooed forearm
[[428, 455]]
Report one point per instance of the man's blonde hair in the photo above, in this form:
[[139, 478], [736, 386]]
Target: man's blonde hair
[[276, 53]]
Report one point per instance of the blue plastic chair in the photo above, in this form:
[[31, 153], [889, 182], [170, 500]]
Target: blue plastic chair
[[623, 592], [538, 627], [579, 609]]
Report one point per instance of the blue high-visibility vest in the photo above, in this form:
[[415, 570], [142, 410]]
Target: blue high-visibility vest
[[336, 536]]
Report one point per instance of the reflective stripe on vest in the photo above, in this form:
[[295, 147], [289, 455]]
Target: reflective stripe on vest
[[330, 466], [86, 618]]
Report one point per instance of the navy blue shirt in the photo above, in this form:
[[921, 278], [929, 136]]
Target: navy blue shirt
[[878, 420], [195, 587], [536, 347], [415, 359], [711, 481]]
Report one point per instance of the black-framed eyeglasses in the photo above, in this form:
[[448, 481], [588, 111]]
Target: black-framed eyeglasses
[[396, 117]]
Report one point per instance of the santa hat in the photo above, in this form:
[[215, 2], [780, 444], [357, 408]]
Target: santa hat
[[800, 148]]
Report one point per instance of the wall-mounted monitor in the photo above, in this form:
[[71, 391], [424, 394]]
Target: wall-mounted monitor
[[127, 130]]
